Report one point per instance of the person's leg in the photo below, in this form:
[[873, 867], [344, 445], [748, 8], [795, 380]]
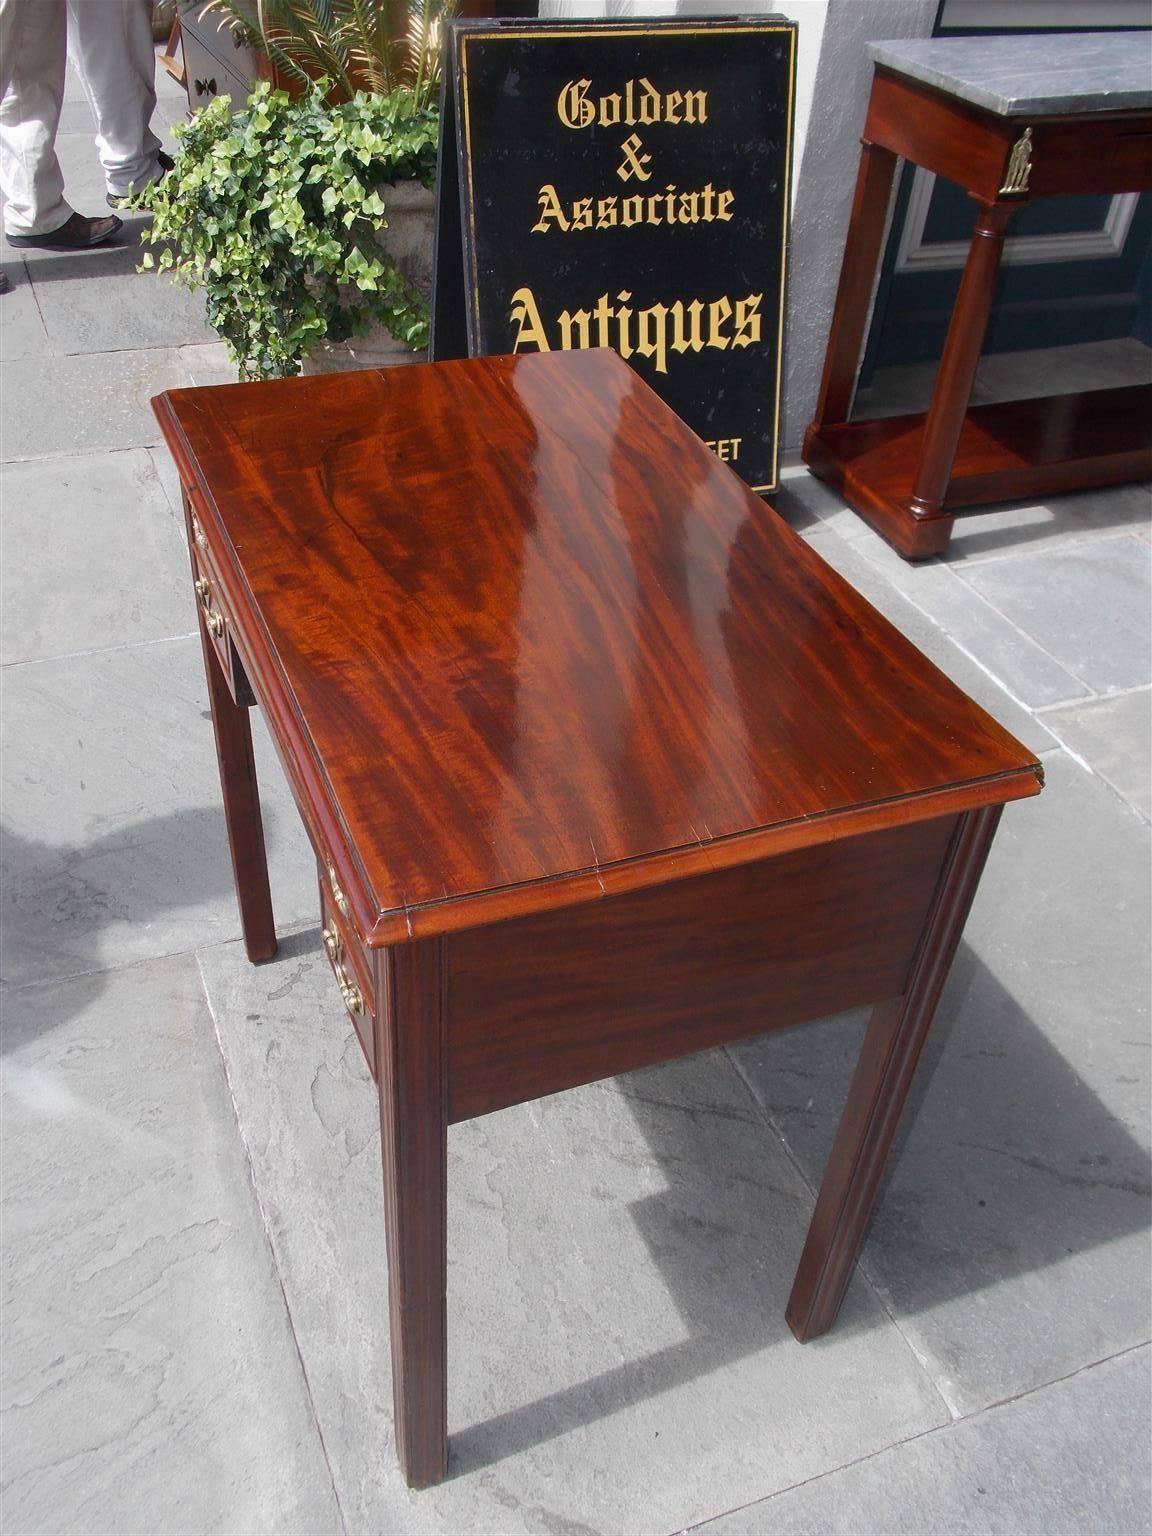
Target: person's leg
[[110, 43], [32, 61]]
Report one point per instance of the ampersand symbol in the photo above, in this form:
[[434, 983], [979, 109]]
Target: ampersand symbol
[[634, 163]]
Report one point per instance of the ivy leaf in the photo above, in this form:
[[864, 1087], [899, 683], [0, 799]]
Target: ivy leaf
[[281, 264]]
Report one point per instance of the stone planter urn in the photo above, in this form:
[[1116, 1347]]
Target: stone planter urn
[[407, 239]]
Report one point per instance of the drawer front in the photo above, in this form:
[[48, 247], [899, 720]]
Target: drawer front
[[208, 77], [351, 965], [214, 616], [222, 42]]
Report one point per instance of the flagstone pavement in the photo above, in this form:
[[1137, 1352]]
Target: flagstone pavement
[[194, 1331]]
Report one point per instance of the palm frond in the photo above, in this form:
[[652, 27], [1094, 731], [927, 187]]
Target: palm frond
[[351, 42], [370, 43]]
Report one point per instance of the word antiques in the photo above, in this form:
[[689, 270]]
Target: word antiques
[[679, 327]]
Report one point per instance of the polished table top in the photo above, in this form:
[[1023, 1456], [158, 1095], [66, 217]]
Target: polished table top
[[532, 633]]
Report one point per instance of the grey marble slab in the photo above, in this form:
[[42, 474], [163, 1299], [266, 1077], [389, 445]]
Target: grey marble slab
[[114, 847], [1068, 1460], [1011, 1242], [151, 1381], [1045, 74], [619, 1261]]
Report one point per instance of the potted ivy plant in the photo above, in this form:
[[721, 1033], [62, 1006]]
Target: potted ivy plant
[[306, 215]]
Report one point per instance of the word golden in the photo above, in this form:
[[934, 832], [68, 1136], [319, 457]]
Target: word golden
[[639, 104], [668, 207], [651, 333]]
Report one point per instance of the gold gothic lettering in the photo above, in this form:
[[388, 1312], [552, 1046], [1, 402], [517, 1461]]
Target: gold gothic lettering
[[639, 104], [652, 332], [671, 206]]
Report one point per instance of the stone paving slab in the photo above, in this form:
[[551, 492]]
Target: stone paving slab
[[107, 395], [1011, 1242], [1070, 1459], [1086, 605], [22, 332], [120, 311], [619, 1261], [99, 527], [114, 841], [1114, 737], [151, 1381], [1026, 526]]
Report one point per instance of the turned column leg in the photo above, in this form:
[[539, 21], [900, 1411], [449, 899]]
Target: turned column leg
[[854, 294], [410, 1060], [233, 732], [959, 359], [896, 1034]]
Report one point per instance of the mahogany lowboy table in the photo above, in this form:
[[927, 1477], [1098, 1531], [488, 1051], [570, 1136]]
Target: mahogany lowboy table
[[1008, 119], [601, 764]]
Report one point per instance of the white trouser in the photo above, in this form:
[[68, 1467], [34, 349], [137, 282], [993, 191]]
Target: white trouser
[[33, 58], [111, 46]]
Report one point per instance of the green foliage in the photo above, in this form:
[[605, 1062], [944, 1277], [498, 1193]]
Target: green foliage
[[273, 210]]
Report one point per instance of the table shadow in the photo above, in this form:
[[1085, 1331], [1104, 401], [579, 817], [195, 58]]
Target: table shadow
[[62, 897], [1007, 1162]]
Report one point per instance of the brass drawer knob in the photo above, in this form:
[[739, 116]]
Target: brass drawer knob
[[198, 533], [203, 590], [215, 620], [338, 895], [349, 991]]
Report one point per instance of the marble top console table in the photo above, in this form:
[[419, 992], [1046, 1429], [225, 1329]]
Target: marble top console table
[[1009, 120]]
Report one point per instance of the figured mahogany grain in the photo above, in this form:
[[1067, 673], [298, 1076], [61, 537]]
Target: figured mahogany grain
[[1076, 153], [521, 626], [568, 997]]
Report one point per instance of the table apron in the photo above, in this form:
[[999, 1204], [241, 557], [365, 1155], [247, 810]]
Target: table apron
[[1080, 153], [543, 1003]]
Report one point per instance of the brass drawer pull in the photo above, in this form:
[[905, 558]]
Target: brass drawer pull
[[338, 895], [349, 991], [215, 621], [198, 533], [203, 590]]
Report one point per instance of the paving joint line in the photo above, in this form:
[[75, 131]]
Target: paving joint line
[[893, 1445], [270, 1245], [100, 650]]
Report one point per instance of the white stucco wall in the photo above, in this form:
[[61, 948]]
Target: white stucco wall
[[833, 77]]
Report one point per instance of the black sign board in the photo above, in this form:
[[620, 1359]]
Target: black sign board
[[625, 184]]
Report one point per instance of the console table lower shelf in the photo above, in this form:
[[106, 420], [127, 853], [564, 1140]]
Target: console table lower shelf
[[1017, 448]]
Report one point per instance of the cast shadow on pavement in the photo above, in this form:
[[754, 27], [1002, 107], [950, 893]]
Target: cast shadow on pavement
[[1007, 1162]]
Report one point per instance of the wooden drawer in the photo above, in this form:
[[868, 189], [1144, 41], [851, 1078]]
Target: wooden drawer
[[351, 963], [213, 35], [215, 618], [209, 77]]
